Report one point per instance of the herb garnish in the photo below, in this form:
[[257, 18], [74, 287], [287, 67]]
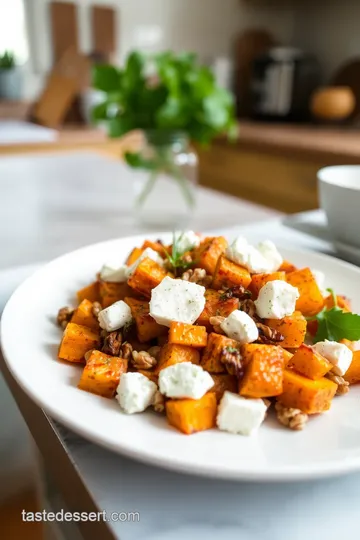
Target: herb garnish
[[176, 260], [334, 324]]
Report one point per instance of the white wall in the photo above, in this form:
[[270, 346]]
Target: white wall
[[205, 26], [330, 29]]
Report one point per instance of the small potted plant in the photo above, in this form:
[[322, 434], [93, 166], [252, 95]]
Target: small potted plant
[[174, 101], [10, 77]]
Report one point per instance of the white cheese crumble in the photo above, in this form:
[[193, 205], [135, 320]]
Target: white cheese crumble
[[264, 258], [185, 241], [185, 380], [148, 253], [337, 353], [176, 300], [135, 392], [276, 300], [115, 316], [237, 414], [240, 326], [114, 273]]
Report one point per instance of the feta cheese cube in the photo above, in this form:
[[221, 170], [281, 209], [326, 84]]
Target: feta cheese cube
[[135, 392], [240, 415], [276, 300], [337, 353], [115, 316], [148, 253], [240, 326], [264, 258], [185, 380], [176, 300], [114, 273], [185, 241]]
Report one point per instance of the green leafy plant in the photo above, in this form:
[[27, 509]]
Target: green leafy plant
[[334, 324], [7, 60]]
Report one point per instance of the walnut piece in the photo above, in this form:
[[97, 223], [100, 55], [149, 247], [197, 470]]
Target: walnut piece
[[96, 308], [231, 358], [215, 323], [126, 351], [343, 386], [112, 343], [159, 402], [64, 316], [249, 307], [291, 418], [235, 292], [143, 360], [268, 335], [197, 275]]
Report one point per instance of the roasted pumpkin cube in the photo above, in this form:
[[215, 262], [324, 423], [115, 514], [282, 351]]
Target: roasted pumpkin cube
[[91, 293], [156, 246], [192, 415], [113, 292], [84, 315], [146, 327], [76, 341], [311, 300], [341, 301], [102, 373], [208, 253], [134, 255], [309, 363], [293, 328], [259, 280], [264, 368], [287, 356], [187, 334], [150, 374], [352, 376], [287, 267], [223, 382], [229, 274], [216, 304], [309, 396], [147, 275], [171, 354], [211, 358]]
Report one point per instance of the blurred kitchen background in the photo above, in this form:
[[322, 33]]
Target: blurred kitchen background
[[292, 65]]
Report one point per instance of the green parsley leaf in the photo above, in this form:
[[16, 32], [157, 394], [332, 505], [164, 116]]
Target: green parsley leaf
[[335, 324]]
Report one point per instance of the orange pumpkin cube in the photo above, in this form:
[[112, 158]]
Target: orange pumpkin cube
[[134, 255], [342, 302], [84, 316], [229, 274], [192, 415], [171, 354], [146, 327], [311, 300], [208, 253], [259, 280], [264, 368], [216, 304], [310, 363], [309, 396], [223, 382], [102, 373], [287, 267], [211, 358], [91, 293], [76, 341], [147, 275], [293, 328], [112, 292], [352, 376], [156, 246], [187, 334]]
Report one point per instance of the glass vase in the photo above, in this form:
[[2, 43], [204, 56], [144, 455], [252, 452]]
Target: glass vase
[[165, 186]]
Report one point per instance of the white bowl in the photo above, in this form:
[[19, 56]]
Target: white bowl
[[339, 192]]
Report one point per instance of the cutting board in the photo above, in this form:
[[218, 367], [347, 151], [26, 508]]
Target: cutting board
[[64, 28]]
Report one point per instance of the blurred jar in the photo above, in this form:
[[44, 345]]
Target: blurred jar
[[333, 103], [165, 178]]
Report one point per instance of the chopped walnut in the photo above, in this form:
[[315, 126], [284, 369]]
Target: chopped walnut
[[343, 386], [112, 343], [154, 351], [197, 275], [231, 358], [235, 292], [64, 316], [249, 307], [291, 418], [215, 323], [159, 402], [96, 308], [143, 360], [268, 335], [126, 351]]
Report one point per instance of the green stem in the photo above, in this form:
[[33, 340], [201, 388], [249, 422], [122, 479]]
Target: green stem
[[147, 189]]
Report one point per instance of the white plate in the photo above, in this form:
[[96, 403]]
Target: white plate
[[329, 445]]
